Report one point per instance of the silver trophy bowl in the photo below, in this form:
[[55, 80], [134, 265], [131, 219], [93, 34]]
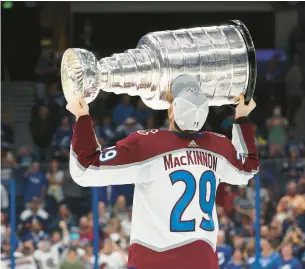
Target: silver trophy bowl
[[222, 58]]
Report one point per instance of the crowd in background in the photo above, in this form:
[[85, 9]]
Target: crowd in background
[[55, 219]]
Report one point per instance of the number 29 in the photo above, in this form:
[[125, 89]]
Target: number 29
[[178, 225]]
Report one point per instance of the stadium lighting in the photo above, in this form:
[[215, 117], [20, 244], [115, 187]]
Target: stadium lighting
[[7, 4]]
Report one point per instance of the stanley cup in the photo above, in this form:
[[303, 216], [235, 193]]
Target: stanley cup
[[222, 58]]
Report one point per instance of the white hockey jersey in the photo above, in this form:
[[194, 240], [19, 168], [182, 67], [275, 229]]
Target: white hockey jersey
[[47, 260], [176, 177]]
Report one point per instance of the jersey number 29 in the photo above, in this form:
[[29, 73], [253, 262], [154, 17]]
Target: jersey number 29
[[206, 205]]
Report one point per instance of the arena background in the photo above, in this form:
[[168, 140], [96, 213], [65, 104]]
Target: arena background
[[36, 189]]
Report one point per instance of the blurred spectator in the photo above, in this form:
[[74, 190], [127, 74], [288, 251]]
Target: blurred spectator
[[66, 217], [273, 77], [123, 110], [34, 211], [46, 256], [293, 167], [45, 71], [55, 178], [261, 143], [225, 223], [74, 243], [115, 232], [72, 260], [264, 197], [3, 227], [301, 185], [73, 193], [107, 131], [35, 234], [85, 231], [268, 256], [62, 139], [296, 202], [224, 251], [130, 126], [26, 157], [294, 89], [22, 259], [112, 256], [275, 233], [7, 133], [238, 260], [120, 209], [104, 216], [88, 258], [36, 183], [8, 163], [60, 239], [277, 133], [126, 223], [264, 231], [42, 128], [142, 113], [56, 96], [225, 198], [4, 199], [287, 260], [294, 237], [108, 195], [250, 252], [242, 205]]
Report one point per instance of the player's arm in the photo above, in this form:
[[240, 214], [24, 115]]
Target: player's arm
[[243, 156], [91, 166]]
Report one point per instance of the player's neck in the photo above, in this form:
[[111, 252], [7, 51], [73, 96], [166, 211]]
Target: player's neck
[[172, 127]]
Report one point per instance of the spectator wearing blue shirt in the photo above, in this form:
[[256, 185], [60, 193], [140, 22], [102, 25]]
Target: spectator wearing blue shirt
[[287, 261], [224, 251], [142, 113], [36, 183], [107, 131], [62, 138], [268, 256], [123, 110], [26, 157], [238, 261], [35, 234]]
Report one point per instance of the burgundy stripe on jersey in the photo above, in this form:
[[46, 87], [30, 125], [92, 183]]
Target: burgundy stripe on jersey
[[196, 255], [139, 147]]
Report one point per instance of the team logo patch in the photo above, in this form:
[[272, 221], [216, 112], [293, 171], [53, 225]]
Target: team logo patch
[[147, 132]]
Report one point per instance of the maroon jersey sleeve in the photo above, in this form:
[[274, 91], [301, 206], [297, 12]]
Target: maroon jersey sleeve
[[240, 153], [91, 166]]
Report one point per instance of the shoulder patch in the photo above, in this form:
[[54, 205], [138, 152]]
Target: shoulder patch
[[148, 131]]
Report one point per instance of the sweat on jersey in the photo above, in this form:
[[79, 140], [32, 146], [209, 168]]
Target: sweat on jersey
[[174, 221]]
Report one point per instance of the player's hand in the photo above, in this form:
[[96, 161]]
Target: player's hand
[[243, 110], [78, 107]]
